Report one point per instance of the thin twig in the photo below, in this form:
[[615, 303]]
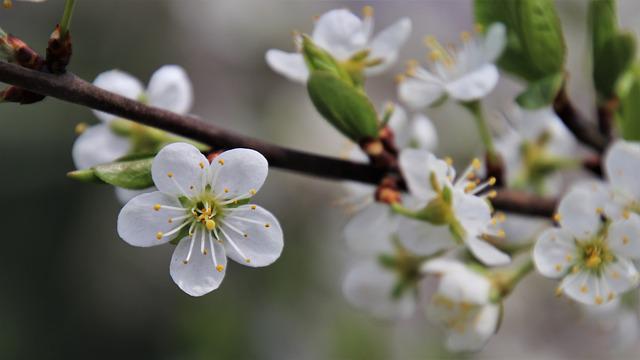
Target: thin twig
[[71, 88], [584, 131]]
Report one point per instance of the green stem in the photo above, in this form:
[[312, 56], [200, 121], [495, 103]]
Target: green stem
[[66, 17], [475, 107]]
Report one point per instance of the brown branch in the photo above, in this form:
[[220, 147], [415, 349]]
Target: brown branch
[[577, 124], [70, 88]]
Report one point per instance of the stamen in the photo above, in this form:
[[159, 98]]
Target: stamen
[[160, 235], [157, 207], [235, 247], [248, 220], [233, 228], [202, 249], [219, 268], [193, 239]]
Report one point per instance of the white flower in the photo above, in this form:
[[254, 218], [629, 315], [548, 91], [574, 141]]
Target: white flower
[[464, 74], [467, 214], [204, 208], [462, 304], [169, 88], [536, 140], [370, 287], [370, 229], [343, 34], [622, 169], [619, 321], [592, 254]]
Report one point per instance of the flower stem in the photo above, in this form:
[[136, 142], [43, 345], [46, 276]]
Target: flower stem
[[510, 279], [475, 107], [66, 17]]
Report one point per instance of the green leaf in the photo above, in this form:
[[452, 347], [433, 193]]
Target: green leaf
[[540, 93], [603, 22], [317, 59], [628, 114], [611, 62], [133, 174], [535, 46], [348, 109]]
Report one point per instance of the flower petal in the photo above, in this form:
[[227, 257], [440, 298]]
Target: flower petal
[[170, 89], [200, 275], [98, 145], [554, 252], [369, 231], [139, 222], [290, 65], [494, 42], [417, 166], [125, 195], [238, 172], [465, 285], [263, 242], [387, 43], [423, 238], [472, 212], [623, 237], [621, 275], [179, 169], [369, 286], [486, 253], [424, 133], [118, 82], [622, 165], [399, 123], [419, 93], [579, 212], [340, 32], [477, 334], [475, 84]]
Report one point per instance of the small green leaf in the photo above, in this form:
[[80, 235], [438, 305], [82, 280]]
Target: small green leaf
[[348, 109], [603, 22], [317, 59], [540, 93], [84, 175], [628, 114], [132, 174], [611, 62]]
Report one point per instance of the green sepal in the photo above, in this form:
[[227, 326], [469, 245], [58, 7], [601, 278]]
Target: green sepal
[[541, 92], [132, 174], [84, 175], [628, 113], [611, 62], [317, 59], [348, 109]]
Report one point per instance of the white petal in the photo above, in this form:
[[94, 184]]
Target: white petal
[[125, 195], [170, 89], [479, 333], [369, 286], [199, 276], [399, 123], [622, 166], [581, 286], [179, 169], [238, 172], [494, 41], [554, 252], [621, 275], [387, 43], [419, 93], [118, 82], [579, 212], [423, 238], [340, 32], [472, 212], [369, 231], [623, 237], [486, 253], [465, 285], [424, 133], [139, 223], [474, 85], [442, 266], [417, 166], [290, 65], [263, 242], [98, 145]]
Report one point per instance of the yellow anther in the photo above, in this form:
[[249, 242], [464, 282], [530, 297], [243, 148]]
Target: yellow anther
[[267, 226], [159, 235], [558, 267], [170, 174], [80, 128], [221, 161], [412, 63], [558, 291], [501, 217], [626, 214], [170, 221], [431, 41], [367, 11], [247, 260], [253, 207], [469, 187], [476, 164], [219, 268], [492, 181], [593, 261], [435, 55], [7, 4], [399, 78], [557, 217], [185, 262], [575, 269], [598, 300], [465, 36], [625, 240], [569, 258], [599, 210], [501, 233], [610, 296], [210, 224], [204, 252], [226, 190], [201, 164], [157, 207], [448, 160], [492, 194], [252, 191], [584, 289]]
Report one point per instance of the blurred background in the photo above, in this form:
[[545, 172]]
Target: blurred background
[[70, 288]]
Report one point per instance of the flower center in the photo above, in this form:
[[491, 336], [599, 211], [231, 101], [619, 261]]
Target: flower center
[[594, 255]]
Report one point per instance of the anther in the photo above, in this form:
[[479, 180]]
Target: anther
[[557, 217], [170, 174], [367, 11], [625, 240], [584, 289], [476, 164], [492, 181], [201, 164], [221, 161], [448, 160], [598, 300], [267, 226], [219, 268], [157, 207], [252, 191], [247, 260], [226, 190], [159, 235], [253, 207], [81, 128], [210, 224]]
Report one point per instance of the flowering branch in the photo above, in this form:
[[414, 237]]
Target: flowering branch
[[578, 125], [70, 88]]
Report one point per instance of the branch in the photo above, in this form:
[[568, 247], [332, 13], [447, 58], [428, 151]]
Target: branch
[[71, 88], [577, 124]]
